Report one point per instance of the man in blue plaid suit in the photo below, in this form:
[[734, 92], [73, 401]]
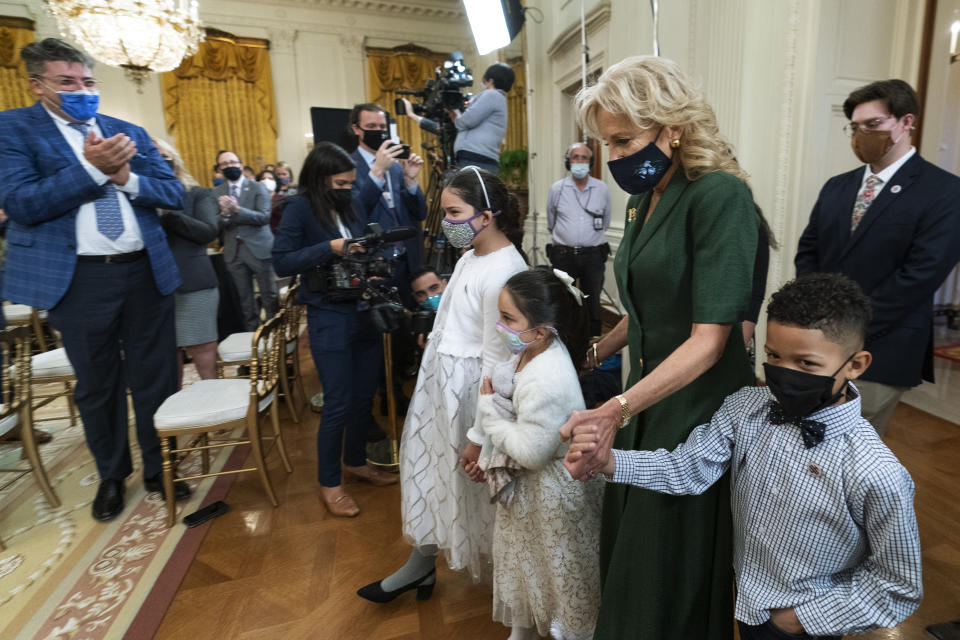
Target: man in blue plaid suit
[[81, 192]]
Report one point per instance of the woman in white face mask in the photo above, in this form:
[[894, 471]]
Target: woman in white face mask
[[268, 179]]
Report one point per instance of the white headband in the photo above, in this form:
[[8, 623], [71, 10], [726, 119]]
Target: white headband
[[482, 186]]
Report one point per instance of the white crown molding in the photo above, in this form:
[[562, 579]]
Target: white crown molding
[[594, 20], [443, 10]]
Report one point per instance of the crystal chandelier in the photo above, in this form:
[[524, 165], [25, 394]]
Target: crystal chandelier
[[141, 36]]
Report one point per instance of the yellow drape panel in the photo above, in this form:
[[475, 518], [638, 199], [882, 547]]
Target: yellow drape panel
[[390, 70], [222, 98], [517, 109], [15, 33]]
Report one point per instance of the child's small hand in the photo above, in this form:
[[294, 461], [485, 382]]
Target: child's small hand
[[475, 472], [487, 387], [469, 456]]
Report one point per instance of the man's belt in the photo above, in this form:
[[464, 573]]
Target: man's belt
[[114, 258], [564, 250]]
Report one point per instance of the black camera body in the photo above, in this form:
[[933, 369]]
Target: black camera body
[[421, 321], [443, 91], [361, 276]]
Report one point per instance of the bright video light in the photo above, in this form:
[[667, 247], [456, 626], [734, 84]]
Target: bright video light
[[488, 24]]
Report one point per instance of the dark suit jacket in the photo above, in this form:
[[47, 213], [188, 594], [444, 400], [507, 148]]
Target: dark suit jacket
[[902, 250], [411, 208], [188, 232], [42, 184], [249, 223]]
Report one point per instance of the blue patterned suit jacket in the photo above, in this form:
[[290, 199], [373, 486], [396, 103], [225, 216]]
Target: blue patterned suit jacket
[[42, 185]]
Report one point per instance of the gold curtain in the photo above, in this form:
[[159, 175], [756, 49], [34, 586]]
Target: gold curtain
[[15, 34], [404, 67], [517, 108], [222, 98]]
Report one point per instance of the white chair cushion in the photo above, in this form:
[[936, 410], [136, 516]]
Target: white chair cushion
[[50, 364], [9, 423], [207, 402], [17, 312], [236, 347], [283, 291], [291, 346]]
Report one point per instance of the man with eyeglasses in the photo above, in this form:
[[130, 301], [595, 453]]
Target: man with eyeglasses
[[85, 241], [893, 226], [247, 239]]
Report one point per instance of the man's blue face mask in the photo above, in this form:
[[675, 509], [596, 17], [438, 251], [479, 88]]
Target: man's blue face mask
[[79, 105]]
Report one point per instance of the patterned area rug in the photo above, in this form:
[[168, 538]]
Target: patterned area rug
[[949, 351], [64, 575]]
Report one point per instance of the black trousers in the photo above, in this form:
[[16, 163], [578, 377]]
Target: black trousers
[[118, 332], [769, 631], [588, 269]]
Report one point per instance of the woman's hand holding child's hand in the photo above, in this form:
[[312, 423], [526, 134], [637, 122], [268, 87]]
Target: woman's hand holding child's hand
[[584, 440], [468, 460]]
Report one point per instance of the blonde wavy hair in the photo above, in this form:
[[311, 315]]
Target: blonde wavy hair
[[653, 92], [179, 168]]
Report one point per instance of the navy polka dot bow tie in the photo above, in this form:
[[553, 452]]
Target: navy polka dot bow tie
[[811, 430]]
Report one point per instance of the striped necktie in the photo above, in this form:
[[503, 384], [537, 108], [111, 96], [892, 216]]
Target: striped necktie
[[864, 199], [109, 218]]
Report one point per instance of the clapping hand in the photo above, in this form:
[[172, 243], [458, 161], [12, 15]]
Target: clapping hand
[[110, 156], [228, 205]]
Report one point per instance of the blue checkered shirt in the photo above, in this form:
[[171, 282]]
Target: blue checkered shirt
[[829, 531]]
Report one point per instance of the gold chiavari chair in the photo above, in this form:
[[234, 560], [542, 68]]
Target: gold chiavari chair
[[290, 380], [221, 404]]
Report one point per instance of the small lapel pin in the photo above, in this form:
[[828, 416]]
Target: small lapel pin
[[814, 469], [895, 188], [631, 215]]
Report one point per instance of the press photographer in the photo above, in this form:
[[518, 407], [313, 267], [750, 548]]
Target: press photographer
[[316, 231], [428, 287], [481, 126], [386, 189]]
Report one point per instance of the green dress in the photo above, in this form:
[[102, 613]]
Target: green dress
[[666, 561]]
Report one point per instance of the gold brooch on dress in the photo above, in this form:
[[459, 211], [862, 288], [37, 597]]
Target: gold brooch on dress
[[631, 214]]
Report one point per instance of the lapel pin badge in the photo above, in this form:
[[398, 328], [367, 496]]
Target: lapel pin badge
[[814, 469], [895, 188], [631, 214]]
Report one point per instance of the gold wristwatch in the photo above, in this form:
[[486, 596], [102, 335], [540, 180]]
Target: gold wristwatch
[[624, 410]]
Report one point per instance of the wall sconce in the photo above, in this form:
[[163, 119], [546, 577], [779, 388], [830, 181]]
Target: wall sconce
[[954, 35]]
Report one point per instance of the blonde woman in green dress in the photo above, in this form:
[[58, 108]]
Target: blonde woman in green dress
[[684, 270]]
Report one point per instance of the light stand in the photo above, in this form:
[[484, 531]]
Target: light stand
[[394, 464]]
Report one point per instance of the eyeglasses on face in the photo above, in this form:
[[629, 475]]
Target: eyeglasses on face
[[869, 126], [69, 83]]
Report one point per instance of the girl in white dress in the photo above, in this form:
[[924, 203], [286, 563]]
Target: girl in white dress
[[442, 509], [546, 578]]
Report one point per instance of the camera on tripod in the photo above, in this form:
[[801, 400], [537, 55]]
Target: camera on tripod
[[443, 91], [361, 276]]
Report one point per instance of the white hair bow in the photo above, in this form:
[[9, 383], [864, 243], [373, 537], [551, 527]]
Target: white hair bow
[[568, 283]]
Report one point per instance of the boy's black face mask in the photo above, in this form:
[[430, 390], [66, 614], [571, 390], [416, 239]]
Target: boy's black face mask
[[800, 393]]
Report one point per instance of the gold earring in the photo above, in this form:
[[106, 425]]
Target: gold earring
[[675, 143]]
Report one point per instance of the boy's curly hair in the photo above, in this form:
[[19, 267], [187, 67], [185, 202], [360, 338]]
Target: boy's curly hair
[[830, 302]]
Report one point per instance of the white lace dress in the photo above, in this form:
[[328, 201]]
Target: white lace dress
[[546, 542], [440, 504]]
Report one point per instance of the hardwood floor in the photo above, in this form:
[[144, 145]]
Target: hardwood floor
[[292, 572]]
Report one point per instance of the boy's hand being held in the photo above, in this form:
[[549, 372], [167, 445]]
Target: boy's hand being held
[[584, 439]]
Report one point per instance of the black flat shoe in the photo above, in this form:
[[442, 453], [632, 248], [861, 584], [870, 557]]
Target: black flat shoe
[[180, 489], [109, 501], [374, 593]]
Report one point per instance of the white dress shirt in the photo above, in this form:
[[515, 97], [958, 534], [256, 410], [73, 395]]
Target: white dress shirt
[[887, 173], [89, 239]]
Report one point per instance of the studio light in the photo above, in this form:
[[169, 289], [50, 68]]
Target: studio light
[[494, 23]]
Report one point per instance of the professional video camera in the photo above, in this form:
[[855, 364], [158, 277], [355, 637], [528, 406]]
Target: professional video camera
[[361, 275], [443, 91]]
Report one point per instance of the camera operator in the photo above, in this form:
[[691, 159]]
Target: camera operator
[[314, 231], [482, 126], [388, 193], [427, 286]]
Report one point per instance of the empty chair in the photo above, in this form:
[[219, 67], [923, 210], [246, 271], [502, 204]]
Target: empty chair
[[214, 405]]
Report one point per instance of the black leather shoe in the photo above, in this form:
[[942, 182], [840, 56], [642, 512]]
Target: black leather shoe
[[180, 489], [375, 593], [109, 501]]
